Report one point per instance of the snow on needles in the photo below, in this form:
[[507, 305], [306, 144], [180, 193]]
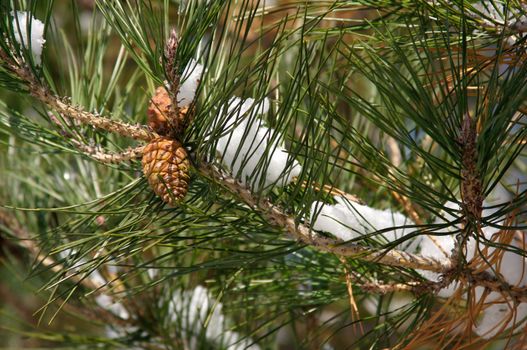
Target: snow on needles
[[190, 79], [347, 220], [33, 40], [254, 153], [194, 310]]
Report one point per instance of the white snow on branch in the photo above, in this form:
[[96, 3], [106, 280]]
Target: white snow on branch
[[108, 303], [254, 153], [34, 39], [190, 81], [194, 310], [347, 220]]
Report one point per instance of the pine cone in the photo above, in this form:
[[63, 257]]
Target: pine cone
[[160, 114], [166, 167]]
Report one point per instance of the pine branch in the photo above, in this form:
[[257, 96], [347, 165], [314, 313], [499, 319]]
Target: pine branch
[[393, 257], [109, 157], [98, 153], [304, 234], [273, 213], [492, 283], [44, 95]]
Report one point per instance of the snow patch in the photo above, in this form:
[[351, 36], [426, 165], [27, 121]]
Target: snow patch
[[347, 220], [246, 143], [34, 39], [193, 310], [499, 316], [190, 81]]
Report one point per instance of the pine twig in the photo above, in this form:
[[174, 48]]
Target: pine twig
[[385, 288], [109, 157], [492, 283], [44, 95], [471, 187], [98, 153]]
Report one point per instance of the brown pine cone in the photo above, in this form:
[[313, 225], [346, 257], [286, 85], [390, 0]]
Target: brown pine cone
[[166, 167], [160, 114]]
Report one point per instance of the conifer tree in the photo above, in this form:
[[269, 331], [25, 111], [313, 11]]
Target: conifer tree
[[253, 174]]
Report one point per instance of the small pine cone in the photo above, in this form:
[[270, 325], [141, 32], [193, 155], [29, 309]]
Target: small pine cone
[[166, 167], [159, 110], [159, 114]]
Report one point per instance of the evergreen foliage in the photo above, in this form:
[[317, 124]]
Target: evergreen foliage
[[357, 174]]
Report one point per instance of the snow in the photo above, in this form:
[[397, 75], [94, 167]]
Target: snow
[[193, 310], [190, 82], [107, 303], [245, 143], [499, 315], [496, 12], [347, 220], [33, 40], [514, 264]]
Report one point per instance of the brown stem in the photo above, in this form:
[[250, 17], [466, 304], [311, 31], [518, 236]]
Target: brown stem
[[492, 283], [109, 157], [98, 153], [471, 189]]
